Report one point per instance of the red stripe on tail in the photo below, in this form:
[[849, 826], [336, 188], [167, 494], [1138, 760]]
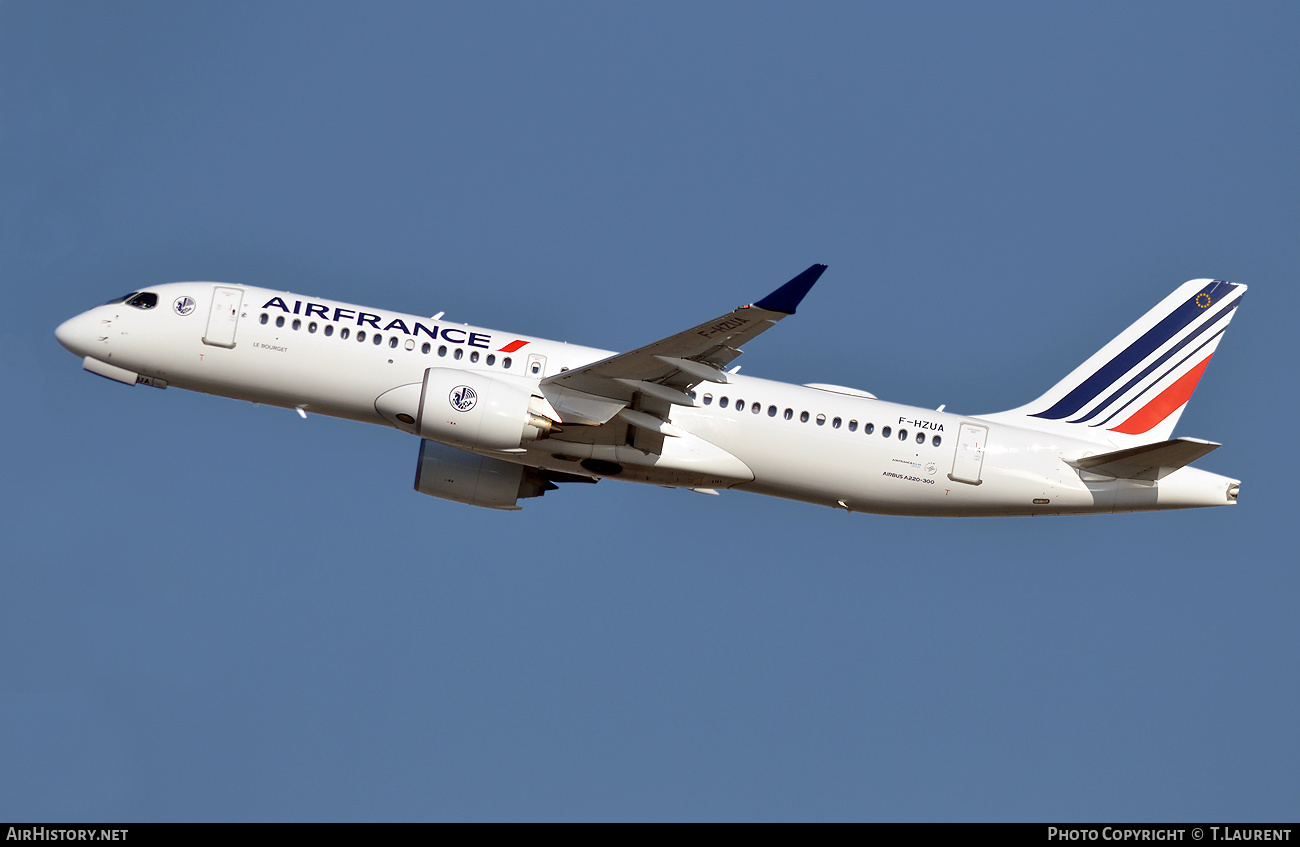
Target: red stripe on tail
[[1165, 404]]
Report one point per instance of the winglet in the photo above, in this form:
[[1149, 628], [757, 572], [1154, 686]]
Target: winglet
[[787, 297]]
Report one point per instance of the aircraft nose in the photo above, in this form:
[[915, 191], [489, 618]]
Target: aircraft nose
[[75, 334]]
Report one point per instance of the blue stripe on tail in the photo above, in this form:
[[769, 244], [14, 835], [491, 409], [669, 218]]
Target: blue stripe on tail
[[1151, 340], [1172, 351]]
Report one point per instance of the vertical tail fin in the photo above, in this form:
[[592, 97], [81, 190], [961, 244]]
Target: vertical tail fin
[[1135, 388]]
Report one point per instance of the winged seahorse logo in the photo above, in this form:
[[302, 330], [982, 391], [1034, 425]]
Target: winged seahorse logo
[[463, 398]]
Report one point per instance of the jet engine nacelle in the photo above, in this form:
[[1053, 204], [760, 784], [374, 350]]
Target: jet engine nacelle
[[466, 409], [454, 474], [473, 410]]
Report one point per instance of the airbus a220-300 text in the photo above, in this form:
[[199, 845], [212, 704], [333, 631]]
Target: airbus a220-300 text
[[502, 417]]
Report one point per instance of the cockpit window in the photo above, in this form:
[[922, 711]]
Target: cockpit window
[[143, 300], [121, 299]]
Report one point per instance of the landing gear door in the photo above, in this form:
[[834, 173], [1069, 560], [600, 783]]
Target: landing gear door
[[969, 458], [224, 316]]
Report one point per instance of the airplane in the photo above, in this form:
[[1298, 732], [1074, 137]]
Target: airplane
[[503, 417]]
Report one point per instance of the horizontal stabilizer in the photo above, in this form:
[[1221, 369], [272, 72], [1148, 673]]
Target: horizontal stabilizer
[[1150, 461]]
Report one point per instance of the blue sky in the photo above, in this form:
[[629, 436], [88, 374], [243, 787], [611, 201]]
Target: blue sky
[[218, 611]]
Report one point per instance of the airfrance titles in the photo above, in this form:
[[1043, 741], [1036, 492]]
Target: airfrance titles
[[449, 334]]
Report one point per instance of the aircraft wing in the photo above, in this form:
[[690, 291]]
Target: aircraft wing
[[663, 372]]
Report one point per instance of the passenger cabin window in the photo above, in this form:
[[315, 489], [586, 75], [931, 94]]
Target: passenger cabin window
[[789, 413], [936, 441], [143, 300], [459, 354], [771, 411], [491, 360], [505, 363], [265, 316], [868, 428], [442, 351], [536, 368], [853, 426], [920, 438], [803, 417], [311, 327], [473, 357], [708, 398], [344, 333], [902, 435], [425, 347], [756, 408], [297, 324], [329, 330], [835, 424], [379, 339], [886, 432], [821, 420], [722, 402], [279, 321], [361, 335]]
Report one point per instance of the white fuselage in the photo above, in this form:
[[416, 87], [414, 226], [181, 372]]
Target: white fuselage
[[842, 450]]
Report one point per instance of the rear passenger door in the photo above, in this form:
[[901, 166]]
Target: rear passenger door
[[968, 461]]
